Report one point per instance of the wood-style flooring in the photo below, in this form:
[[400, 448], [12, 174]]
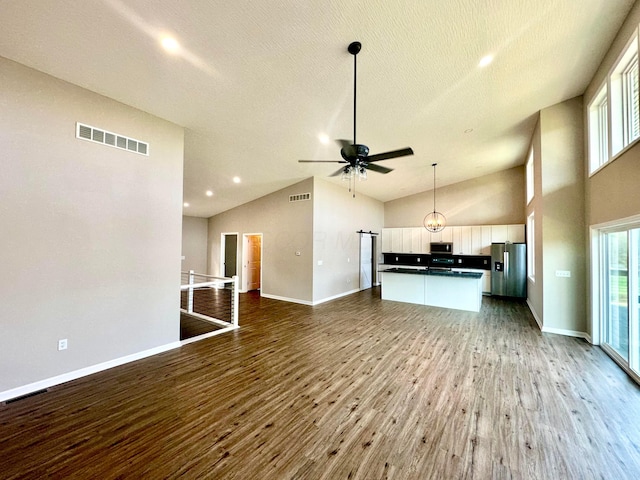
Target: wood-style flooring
[[191, 327], [356, 388]]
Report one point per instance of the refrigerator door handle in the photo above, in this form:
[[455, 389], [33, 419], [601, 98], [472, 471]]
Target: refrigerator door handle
[[506, 264]]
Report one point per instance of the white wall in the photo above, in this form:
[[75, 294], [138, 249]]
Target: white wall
[[496, 199], [337, 216], [90, 234], [194, 244]]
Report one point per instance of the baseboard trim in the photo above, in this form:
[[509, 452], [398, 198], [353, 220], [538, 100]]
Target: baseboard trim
[[286, 299], [83, 372], [334, 297], [535, 315], [565, 332], [306, 302]]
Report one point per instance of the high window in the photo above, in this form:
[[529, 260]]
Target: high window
[[598, 131], [624, 99], [530, 182]]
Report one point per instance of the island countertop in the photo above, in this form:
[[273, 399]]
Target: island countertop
[[437, 288], [435, 272]]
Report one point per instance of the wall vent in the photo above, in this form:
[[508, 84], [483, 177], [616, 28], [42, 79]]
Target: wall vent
[[97, 135], [300, 197]]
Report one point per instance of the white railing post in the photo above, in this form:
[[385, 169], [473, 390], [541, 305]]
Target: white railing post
[[190, 293], [236, 299]]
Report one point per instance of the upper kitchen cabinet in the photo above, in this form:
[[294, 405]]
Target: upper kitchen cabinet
[[467, 240], [515, 233]]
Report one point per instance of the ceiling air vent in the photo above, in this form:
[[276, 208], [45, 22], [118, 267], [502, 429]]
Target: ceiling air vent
[[97, 135], [300, 197]]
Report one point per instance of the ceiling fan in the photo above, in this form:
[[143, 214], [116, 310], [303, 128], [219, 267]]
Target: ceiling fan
[[356, 156]]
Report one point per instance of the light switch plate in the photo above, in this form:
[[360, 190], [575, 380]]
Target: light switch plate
[[563, 273]]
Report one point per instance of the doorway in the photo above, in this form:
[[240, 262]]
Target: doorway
[[616, 293], [229, 254], [252, 261], [367, 268]]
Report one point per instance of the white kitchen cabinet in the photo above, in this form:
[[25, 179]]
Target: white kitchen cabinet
[[396, 240], [515, 233], [426, 240], [411, 240], [476, 240], [455, 238], [486, 282], [386, 240], [486, 240], [498, 233], [446, 235], [465, 242]]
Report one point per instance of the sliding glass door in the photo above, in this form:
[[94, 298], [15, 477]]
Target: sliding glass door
[[620, 295], [616, 327]]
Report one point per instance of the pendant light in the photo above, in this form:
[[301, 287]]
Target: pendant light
[[434, 221]]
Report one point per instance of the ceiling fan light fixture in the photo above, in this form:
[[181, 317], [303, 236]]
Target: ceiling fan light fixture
[[434, 221]]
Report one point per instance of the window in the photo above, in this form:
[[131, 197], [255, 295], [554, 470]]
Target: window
[[530, 181], [531, 247], [624, 99], [598, 131]]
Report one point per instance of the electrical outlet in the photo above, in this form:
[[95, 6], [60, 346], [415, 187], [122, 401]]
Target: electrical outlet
[[62, 344]]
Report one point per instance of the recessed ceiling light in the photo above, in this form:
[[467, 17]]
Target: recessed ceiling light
[[486, 60], [236, 179], [185, 204], [324, 138], [209, 193], [170, 44]]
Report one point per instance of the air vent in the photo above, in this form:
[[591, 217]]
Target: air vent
[[97, 135], [300, 197]]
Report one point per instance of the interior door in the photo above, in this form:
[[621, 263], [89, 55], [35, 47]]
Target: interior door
[[253, 261], [230, 255], [366, 260]]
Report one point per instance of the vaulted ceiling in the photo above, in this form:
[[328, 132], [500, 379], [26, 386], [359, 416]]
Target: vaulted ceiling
[[256, 83]]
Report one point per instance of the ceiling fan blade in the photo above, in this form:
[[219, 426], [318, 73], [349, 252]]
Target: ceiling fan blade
[[337, 172], [379, 168], [387, 155], [322, 161]]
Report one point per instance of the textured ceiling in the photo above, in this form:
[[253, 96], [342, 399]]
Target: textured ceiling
[[256, 82]]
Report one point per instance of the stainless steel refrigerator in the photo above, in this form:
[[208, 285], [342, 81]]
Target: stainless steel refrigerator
[[509, 269]]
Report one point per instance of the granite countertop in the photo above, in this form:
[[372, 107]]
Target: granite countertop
[[433, 272]]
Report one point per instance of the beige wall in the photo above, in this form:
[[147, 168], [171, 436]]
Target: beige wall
[[612, 193], [337, 218], [286, 227], [90, 233], [562, 216], [194, 244], [495, 199], [535, 288]]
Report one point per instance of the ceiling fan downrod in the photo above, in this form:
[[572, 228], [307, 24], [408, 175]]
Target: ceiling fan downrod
[[354, 48]]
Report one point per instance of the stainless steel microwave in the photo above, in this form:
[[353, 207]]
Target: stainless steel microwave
[[441, 247]]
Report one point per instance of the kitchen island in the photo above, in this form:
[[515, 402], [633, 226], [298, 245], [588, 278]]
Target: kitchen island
[[437, 288]]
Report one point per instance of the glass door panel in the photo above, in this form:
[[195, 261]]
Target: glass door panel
[[634, 300], [616, 329]]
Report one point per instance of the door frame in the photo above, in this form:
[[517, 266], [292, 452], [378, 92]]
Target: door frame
[[244, 275], [223, 251]]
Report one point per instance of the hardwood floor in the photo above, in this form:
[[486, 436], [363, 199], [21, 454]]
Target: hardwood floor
[[354, 388], [192, 327]]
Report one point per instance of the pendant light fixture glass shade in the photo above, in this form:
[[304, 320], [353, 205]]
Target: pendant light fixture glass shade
[[434, 221]]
